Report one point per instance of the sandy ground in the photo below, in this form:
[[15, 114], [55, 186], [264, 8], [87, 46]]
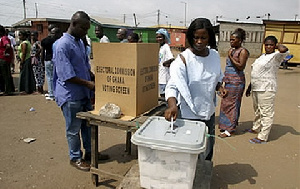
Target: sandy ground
[[44, 163]]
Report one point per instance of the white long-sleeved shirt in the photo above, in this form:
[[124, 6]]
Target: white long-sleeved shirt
[[104, 39], [264, 71], [164, 55], [193, 84]]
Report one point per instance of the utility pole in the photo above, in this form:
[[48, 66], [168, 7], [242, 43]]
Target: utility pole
[[158, 14], [36, 10], [184, 13], [124, 18], [134, 20], [24, 8]]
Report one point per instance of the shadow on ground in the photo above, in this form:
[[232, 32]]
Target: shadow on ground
[[277, 130], [231, 174], [107, 183], [117, 153]]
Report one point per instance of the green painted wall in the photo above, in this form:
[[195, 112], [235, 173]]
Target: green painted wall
[[148, 34]]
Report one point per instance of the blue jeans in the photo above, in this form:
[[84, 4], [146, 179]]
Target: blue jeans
[[75, 125], [49, 76], [162, 88]]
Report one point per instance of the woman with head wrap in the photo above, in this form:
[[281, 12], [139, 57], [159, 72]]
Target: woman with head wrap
[[165, 58]]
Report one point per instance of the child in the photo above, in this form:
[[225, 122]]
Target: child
[[264, 86]]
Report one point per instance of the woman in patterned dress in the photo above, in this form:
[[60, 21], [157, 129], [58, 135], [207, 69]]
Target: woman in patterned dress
[[234, 83], [37, 65]]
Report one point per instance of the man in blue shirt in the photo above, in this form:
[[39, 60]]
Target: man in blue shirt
[[72, 86]]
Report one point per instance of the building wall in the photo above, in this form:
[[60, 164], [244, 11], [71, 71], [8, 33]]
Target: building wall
[[109, 32], [147, 34], [254, 37], [42, 28]]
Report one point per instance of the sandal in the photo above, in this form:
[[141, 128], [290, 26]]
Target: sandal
[[257, 141], [250, 131], [23, 93], [35, 93], [225, 134]]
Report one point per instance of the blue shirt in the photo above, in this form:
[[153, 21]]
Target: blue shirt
[[70, 60]]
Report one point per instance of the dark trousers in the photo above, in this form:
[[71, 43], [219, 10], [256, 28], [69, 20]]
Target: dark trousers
[[6, 76], [27, 80]]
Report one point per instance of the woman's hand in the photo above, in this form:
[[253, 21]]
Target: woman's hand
[[222, 92], [248, 91], [230, 52], [172, 111], [281, 48], [21, 66]]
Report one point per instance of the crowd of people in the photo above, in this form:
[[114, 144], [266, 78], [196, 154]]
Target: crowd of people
[[190, 83]]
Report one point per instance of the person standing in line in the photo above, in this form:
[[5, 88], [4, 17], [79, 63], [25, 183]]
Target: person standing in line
[[122, 35], [196, 76], [38, 67], [6, 55], [165, 58], [133, 38], [27, 81], [264, 86], [89, 52], [234, 80], [72, 88], [13, 44], [99, 34], [87, 45], [46, 58]]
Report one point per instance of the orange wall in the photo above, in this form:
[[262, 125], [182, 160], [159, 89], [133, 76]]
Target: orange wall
[[177, 39]]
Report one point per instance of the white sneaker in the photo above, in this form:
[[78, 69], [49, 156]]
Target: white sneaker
[[50, 98], [46, 95]]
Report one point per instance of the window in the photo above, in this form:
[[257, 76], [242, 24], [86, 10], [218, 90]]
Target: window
[[39, 28], [289, 37]]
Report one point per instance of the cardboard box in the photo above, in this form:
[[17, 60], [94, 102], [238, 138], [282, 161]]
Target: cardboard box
[[126, 74]]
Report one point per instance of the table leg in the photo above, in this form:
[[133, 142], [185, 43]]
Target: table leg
[[128, 142], [94, 152]]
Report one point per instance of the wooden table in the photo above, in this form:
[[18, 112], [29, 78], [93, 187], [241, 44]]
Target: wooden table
[[95, 121]]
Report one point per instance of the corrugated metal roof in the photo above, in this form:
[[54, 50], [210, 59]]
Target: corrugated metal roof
[[294, 22], [239, 21], [168, 26], [108, 21], [27, 21]]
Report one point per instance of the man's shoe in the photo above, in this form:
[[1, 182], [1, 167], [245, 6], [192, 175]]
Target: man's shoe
[[80, 164], [87, 157], [50, 98]]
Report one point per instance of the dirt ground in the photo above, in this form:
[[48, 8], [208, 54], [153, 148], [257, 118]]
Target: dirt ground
[[44, 163]]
